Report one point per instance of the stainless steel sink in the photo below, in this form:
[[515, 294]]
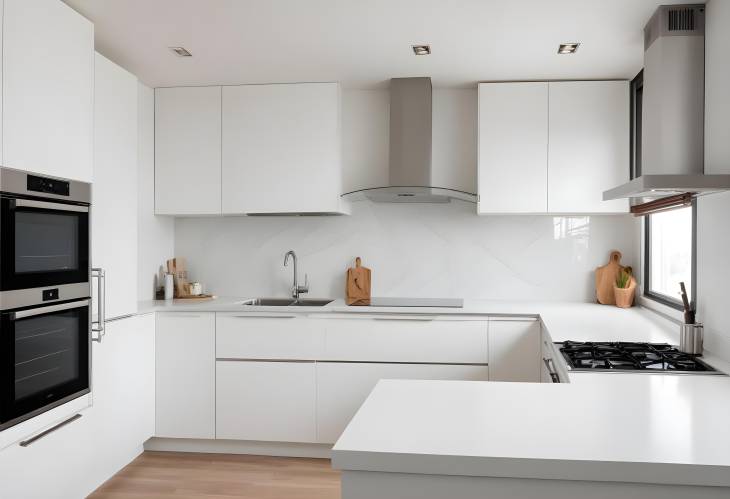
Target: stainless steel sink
[[285, 302], [304, 302], [269, 302]]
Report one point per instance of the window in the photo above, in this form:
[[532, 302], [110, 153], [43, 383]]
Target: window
[[670, 247]]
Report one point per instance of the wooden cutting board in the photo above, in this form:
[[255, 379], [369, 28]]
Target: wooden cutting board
[[606, 278], [357, 291]]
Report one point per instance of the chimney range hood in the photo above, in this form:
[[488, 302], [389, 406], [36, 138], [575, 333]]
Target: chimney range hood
[[410, 179], [672, 141]]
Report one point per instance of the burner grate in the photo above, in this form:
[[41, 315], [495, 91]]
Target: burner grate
[[627, 356]]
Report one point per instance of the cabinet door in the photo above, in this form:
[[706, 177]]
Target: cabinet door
[[114, 193], [188, 151], [343, 387], [268, 401], [514, 350], [281, 148], [123, 392], [48, 89], [513, 142], [589, 145], [245, 336], [185, 375]]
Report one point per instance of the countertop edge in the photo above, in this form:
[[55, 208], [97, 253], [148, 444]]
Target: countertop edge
[[531, 468]]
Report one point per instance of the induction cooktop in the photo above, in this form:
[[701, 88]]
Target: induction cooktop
[[416, 302]]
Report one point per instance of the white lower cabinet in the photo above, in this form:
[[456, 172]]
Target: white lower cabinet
[[269, 401], [185, 375], [123, 394], [514, 349], [342, 387], [78, 457], [56, 466]]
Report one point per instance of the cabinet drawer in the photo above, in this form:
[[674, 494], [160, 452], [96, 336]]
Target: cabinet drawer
[[266, 401], [275, 337], [406, 339], [343, 387]]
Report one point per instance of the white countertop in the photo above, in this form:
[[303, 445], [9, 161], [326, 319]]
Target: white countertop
[[605, 427], [653, 428]]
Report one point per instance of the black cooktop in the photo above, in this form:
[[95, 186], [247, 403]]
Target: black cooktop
[[626, 356]]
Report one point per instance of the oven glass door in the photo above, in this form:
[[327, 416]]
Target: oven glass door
[[44, 355], [43, 243]]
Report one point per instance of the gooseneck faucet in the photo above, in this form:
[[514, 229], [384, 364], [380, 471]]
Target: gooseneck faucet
[[296, 289]]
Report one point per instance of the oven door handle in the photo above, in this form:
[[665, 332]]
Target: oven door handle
[[98, 326], [47, 310], [46, 205]]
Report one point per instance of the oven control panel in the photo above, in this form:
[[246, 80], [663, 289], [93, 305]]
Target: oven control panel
[[48, 185]]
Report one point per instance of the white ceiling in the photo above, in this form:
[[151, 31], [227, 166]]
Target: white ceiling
[[364, 43]]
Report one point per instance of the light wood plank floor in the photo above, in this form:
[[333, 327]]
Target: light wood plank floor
[[221, 476]]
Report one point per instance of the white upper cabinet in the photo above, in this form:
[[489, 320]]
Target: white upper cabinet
[[588, 149], [552, 147], [188, 151], [48, 89], [114, 192], [281, 148], [513, 142]]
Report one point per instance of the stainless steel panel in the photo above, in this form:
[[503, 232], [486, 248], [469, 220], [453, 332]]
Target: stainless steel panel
[[410, 131], [16, 182], [18, 298]]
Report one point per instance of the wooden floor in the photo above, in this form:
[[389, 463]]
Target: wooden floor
[[193, 476]]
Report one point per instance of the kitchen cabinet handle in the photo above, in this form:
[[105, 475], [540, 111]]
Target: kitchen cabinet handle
[[26, 443], [98, 326], [263, 316], [47, 310], [551, 369], [45, 205], [407, 319]]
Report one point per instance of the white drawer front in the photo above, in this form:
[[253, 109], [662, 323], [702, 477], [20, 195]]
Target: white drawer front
[[402, 339], [343, 387], [268, 337], [266, 401]]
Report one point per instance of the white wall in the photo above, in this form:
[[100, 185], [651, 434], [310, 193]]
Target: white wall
[[412, 249], [713, 228], [156, 234]]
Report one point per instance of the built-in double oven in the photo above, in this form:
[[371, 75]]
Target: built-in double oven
[[45, 293]]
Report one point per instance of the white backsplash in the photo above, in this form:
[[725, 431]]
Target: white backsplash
[[413, 250]]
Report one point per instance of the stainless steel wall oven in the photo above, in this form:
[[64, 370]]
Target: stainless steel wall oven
[[45, 293]]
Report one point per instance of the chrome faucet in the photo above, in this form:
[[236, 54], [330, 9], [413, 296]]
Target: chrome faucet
[[296, 289]]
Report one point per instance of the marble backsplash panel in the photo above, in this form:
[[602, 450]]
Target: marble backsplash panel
[[415, 250]]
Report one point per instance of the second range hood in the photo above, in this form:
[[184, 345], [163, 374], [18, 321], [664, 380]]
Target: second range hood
[[410, 179], [672, 120]]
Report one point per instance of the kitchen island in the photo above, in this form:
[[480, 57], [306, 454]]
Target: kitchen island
[[637, 435]]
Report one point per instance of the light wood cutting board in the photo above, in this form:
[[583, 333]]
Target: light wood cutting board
[[357, 290], [606, 277]]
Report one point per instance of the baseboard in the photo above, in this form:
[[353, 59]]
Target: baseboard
[[281, 449]]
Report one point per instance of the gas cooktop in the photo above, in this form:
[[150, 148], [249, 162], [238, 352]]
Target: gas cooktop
[[627, 356]]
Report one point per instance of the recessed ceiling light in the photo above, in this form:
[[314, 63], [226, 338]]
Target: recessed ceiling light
[[421, 49], [568, 48], [181, 52]]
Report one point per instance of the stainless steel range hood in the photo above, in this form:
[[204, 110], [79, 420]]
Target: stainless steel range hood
[[410, 179], [672, 140]]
